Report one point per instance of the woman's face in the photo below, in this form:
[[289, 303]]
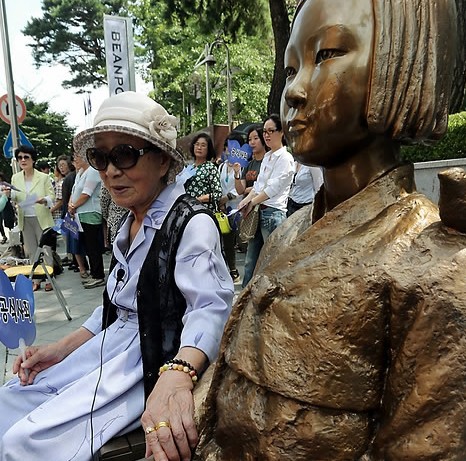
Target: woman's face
[[201, 149], [25, 161], [79, 162], [255, 142], [272, 135], [63, 167], [327, 64], [133, 188]]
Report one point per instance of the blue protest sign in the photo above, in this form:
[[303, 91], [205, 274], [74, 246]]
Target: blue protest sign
[[239, 154], [16, 312], [70, 227]]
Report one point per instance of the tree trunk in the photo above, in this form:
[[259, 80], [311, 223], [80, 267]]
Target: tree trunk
[[281, 33], [459, 76]]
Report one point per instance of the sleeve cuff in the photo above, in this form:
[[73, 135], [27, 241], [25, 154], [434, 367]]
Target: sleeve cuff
[[94, 322]]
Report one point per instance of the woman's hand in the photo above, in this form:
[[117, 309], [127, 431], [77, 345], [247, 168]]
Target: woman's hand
[[237, 168], [205, 198], [41, 201], [171, 402], [6, 191], [245, 207], [223, 200], [71, 209], [38, 358]]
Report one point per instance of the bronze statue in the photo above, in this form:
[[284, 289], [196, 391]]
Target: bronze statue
[[349, 344]]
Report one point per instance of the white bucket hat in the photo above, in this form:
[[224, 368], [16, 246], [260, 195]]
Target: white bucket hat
[[138, 115]]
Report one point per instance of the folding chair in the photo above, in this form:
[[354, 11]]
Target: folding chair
[[39, 269]]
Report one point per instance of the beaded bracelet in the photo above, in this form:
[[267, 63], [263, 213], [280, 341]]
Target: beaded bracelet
[[180, 365]]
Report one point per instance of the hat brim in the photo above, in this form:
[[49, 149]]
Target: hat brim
[[85, 139]]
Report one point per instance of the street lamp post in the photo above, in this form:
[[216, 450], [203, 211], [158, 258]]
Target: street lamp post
[[209, 60]]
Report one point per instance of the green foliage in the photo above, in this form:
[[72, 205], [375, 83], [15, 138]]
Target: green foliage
[[71, 33], [232, 17], [452, 145], [174, 50], [47, 131]]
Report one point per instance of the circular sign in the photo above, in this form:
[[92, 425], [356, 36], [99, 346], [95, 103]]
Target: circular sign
[[5, 113]]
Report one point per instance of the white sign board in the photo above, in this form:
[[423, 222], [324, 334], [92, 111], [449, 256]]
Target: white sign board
[[119, 54]]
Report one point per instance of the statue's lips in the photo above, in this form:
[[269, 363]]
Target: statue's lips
[[296, 126]]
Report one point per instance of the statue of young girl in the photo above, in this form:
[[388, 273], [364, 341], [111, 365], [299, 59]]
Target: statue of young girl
[[349, 342]]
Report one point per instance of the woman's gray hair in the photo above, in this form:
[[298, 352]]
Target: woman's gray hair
[[412, 67]]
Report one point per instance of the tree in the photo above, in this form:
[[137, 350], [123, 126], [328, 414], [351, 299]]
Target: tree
[[248, 17], [71, 33], [47, 131], [174, 50]]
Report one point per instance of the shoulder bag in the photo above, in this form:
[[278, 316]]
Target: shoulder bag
[[220, 216], [248, 225]]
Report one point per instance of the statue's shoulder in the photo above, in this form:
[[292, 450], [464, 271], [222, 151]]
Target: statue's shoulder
[[285, 234]]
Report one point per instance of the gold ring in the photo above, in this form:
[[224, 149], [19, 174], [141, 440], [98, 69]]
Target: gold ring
[[150, 429], [162, 424]]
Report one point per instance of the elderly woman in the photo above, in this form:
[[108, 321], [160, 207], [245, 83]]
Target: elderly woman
[[204, 183], [33, 216], [85, 203], [167, 298], [349, 342]]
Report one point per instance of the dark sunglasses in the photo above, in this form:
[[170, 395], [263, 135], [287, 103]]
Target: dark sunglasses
[[122, 156], [23, 157]]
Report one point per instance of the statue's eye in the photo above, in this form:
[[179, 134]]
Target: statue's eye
[[290, 71], [323, 55]]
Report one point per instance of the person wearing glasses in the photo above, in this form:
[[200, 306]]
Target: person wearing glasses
[[270, 191], [204, 183], [34, 195], [167, 298]]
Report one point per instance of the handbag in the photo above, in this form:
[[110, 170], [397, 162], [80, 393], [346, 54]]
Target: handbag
[[220, 216], [248, 225], [223, 222]]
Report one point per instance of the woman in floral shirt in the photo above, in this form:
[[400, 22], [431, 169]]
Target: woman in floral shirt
[[204, 184]]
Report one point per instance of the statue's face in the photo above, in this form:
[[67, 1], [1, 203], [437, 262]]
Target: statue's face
[[327, 63]]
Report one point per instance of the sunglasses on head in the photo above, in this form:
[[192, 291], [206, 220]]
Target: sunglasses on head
[[122, 156], [23, 157]]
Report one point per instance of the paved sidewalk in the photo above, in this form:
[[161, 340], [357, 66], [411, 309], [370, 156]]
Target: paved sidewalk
[[51, 322]]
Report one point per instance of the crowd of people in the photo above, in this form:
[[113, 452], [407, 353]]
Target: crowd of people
[[42, 201], [271, 179]]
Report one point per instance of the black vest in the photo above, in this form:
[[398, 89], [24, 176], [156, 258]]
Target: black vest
[[161, 305]]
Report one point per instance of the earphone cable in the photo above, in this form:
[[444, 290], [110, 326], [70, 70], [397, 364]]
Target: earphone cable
[[119, 278]]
